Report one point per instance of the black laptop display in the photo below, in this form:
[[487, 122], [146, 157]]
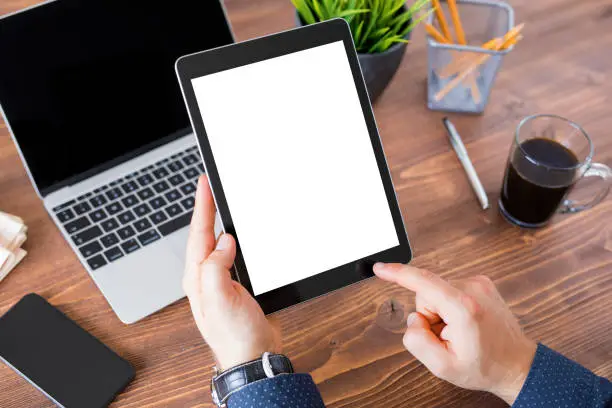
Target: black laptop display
[[83, 82]]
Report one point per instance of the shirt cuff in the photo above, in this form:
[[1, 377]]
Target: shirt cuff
[[284, 390], [554, 381]]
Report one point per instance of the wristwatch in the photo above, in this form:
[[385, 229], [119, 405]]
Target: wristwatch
[[225, 383]]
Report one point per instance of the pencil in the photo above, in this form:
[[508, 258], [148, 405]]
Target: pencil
[[500, 43], [441, 19], [452, 5], [435, 34], [464, 60]]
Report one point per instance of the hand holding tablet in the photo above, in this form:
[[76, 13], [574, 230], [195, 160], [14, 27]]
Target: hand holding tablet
[[295, 162], [230, 320]]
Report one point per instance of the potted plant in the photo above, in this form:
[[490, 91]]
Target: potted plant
[[381, 29]]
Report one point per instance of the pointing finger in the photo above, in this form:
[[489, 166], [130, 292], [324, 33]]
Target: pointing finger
[[444, 299]]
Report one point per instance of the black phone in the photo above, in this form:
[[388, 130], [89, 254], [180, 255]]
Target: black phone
[[66, 363]]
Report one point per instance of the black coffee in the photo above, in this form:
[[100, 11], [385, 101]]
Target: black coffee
[[538, 177]]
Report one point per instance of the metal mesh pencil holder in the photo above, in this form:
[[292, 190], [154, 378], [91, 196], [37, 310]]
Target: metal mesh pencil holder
[[482, 21]]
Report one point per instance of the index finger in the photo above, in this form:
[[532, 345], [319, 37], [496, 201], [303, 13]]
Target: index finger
[[441, 295], [201, 241]]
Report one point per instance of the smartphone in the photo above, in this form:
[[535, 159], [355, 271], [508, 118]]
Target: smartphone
[[70, 366]]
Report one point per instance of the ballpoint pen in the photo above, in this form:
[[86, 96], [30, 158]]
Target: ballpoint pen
[[464, 158]]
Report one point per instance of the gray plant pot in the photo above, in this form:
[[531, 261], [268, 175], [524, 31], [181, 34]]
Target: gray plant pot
[[377, 69]]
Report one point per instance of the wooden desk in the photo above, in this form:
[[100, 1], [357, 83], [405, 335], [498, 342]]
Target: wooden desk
[[558, 280]]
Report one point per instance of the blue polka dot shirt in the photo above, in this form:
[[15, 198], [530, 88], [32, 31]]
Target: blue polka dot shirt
[[556, 381], [282, 391], [553, 382]]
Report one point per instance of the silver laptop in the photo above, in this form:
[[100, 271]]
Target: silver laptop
[[89, 93]]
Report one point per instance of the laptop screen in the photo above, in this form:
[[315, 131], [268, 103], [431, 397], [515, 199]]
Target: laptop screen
[[83, 82]]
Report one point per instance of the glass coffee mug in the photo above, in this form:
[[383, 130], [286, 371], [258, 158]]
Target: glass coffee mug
[[549, 155]]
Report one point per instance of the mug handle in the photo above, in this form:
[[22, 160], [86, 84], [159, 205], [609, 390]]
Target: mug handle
[[596, 170]]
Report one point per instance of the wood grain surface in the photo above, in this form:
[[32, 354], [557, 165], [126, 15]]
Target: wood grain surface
[[558, 280]]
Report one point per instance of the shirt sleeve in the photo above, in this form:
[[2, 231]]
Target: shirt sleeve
[[282, 391], [556, 381]]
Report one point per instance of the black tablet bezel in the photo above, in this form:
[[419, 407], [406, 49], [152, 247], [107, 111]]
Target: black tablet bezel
[[260, 49]]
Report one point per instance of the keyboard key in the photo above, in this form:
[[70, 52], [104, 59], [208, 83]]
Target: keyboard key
[[200, 168], [65, 215], [174, 156], [145, 193], [172, 195], [144, 180], [142, 225], [98, 215], [157, 202], [125, 232], [176, 179], [160, 173], [160, 186], [116, 182], [114, 193], [174, 210], [188, 189], [130, 186], [96, 262], [113, 254], [176, 166], [158, 217], [114, 208], [109, 240], [188, 203], [81, 208], [131, 175], [190, 159], [84, 196], [141, 210], [87, 235], [191, 173], [130, 246], [77, 225], [148, 237], [65, 205], [109, 225], [90, 249], [126, 217], [175, 224], [97, 201], [129, 200]]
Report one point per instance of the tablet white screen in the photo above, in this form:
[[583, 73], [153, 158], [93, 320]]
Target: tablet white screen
[[296, 163]]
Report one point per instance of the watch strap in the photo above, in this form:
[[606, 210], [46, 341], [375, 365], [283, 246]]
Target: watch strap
[[231, 380]]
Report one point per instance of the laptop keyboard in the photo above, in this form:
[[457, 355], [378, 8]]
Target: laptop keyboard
[[129, 213]]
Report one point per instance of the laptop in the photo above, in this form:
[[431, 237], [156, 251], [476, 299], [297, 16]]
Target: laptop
[[89, 94]]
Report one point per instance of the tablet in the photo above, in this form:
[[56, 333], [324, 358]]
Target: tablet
[[295, 163]]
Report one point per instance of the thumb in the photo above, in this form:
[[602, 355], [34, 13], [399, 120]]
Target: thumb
[[425, 346], [216, 279]]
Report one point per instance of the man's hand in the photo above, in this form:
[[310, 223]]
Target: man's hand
[[230, 320], [464, 332]]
